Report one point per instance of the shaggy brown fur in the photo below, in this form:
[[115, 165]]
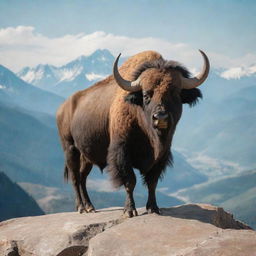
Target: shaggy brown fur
[[109, 127]]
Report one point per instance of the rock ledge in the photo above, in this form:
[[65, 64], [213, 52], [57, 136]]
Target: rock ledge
[[193, 229]]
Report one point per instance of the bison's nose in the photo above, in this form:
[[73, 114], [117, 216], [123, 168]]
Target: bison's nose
[[160, 116]]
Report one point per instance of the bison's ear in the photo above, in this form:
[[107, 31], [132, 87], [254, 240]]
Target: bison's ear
[[190, 96], [134, 98]]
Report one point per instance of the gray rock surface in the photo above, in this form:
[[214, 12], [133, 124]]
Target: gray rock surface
[[182, 230]]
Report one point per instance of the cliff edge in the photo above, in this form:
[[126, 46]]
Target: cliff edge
[[186, 230]]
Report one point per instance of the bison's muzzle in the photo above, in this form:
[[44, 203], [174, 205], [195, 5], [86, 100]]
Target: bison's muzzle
[[160, 120]]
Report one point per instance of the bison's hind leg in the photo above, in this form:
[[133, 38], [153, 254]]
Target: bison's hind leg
[[85, 169], [72, 155], [129, 184]]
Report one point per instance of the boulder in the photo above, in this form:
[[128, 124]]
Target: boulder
[[194, 229], [54, 234]]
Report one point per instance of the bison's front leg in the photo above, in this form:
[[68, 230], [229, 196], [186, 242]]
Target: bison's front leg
[[121, 172], [151, 180]]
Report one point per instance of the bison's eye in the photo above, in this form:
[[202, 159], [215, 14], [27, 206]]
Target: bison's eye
[[147, 95]]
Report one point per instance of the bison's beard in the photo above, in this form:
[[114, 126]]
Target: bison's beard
[[160, 139]]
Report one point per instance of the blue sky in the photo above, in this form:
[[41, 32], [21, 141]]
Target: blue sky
[[225, 29]]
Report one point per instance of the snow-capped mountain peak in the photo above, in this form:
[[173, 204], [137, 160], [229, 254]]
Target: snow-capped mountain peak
[[36, 74], [69, 74], [75, 75]]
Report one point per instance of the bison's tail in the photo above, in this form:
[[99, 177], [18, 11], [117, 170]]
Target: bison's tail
[[116, 180], [66, 173]]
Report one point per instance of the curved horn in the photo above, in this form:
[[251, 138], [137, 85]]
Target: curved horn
[[189, 83], [124, 84]]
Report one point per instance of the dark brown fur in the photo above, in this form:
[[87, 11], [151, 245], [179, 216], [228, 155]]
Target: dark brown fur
[[109, 127]]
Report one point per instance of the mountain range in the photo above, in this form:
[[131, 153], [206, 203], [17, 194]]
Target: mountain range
[[71, 77]]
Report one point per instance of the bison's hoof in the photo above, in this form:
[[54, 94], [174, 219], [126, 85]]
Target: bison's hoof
[[130, 213], [153, 210], [81, 209], [90, 209]]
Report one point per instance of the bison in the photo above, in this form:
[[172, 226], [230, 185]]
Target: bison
[[127, 121]]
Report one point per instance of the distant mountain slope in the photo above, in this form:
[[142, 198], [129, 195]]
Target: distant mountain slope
[[243, 206], [181, 175], [230, 139], [14, 91], [236, 194], [29, 150], [222, 127], [75, 75], [14, 201]]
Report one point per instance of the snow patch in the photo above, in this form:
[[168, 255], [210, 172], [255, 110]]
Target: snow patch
[[93, 76], [103, 58], [32, 76], [70, 74]]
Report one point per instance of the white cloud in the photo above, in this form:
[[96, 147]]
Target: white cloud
[[23, 46], [238, 72]]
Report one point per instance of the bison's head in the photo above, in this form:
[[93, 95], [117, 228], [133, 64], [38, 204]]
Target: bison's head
[[161, 87]]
